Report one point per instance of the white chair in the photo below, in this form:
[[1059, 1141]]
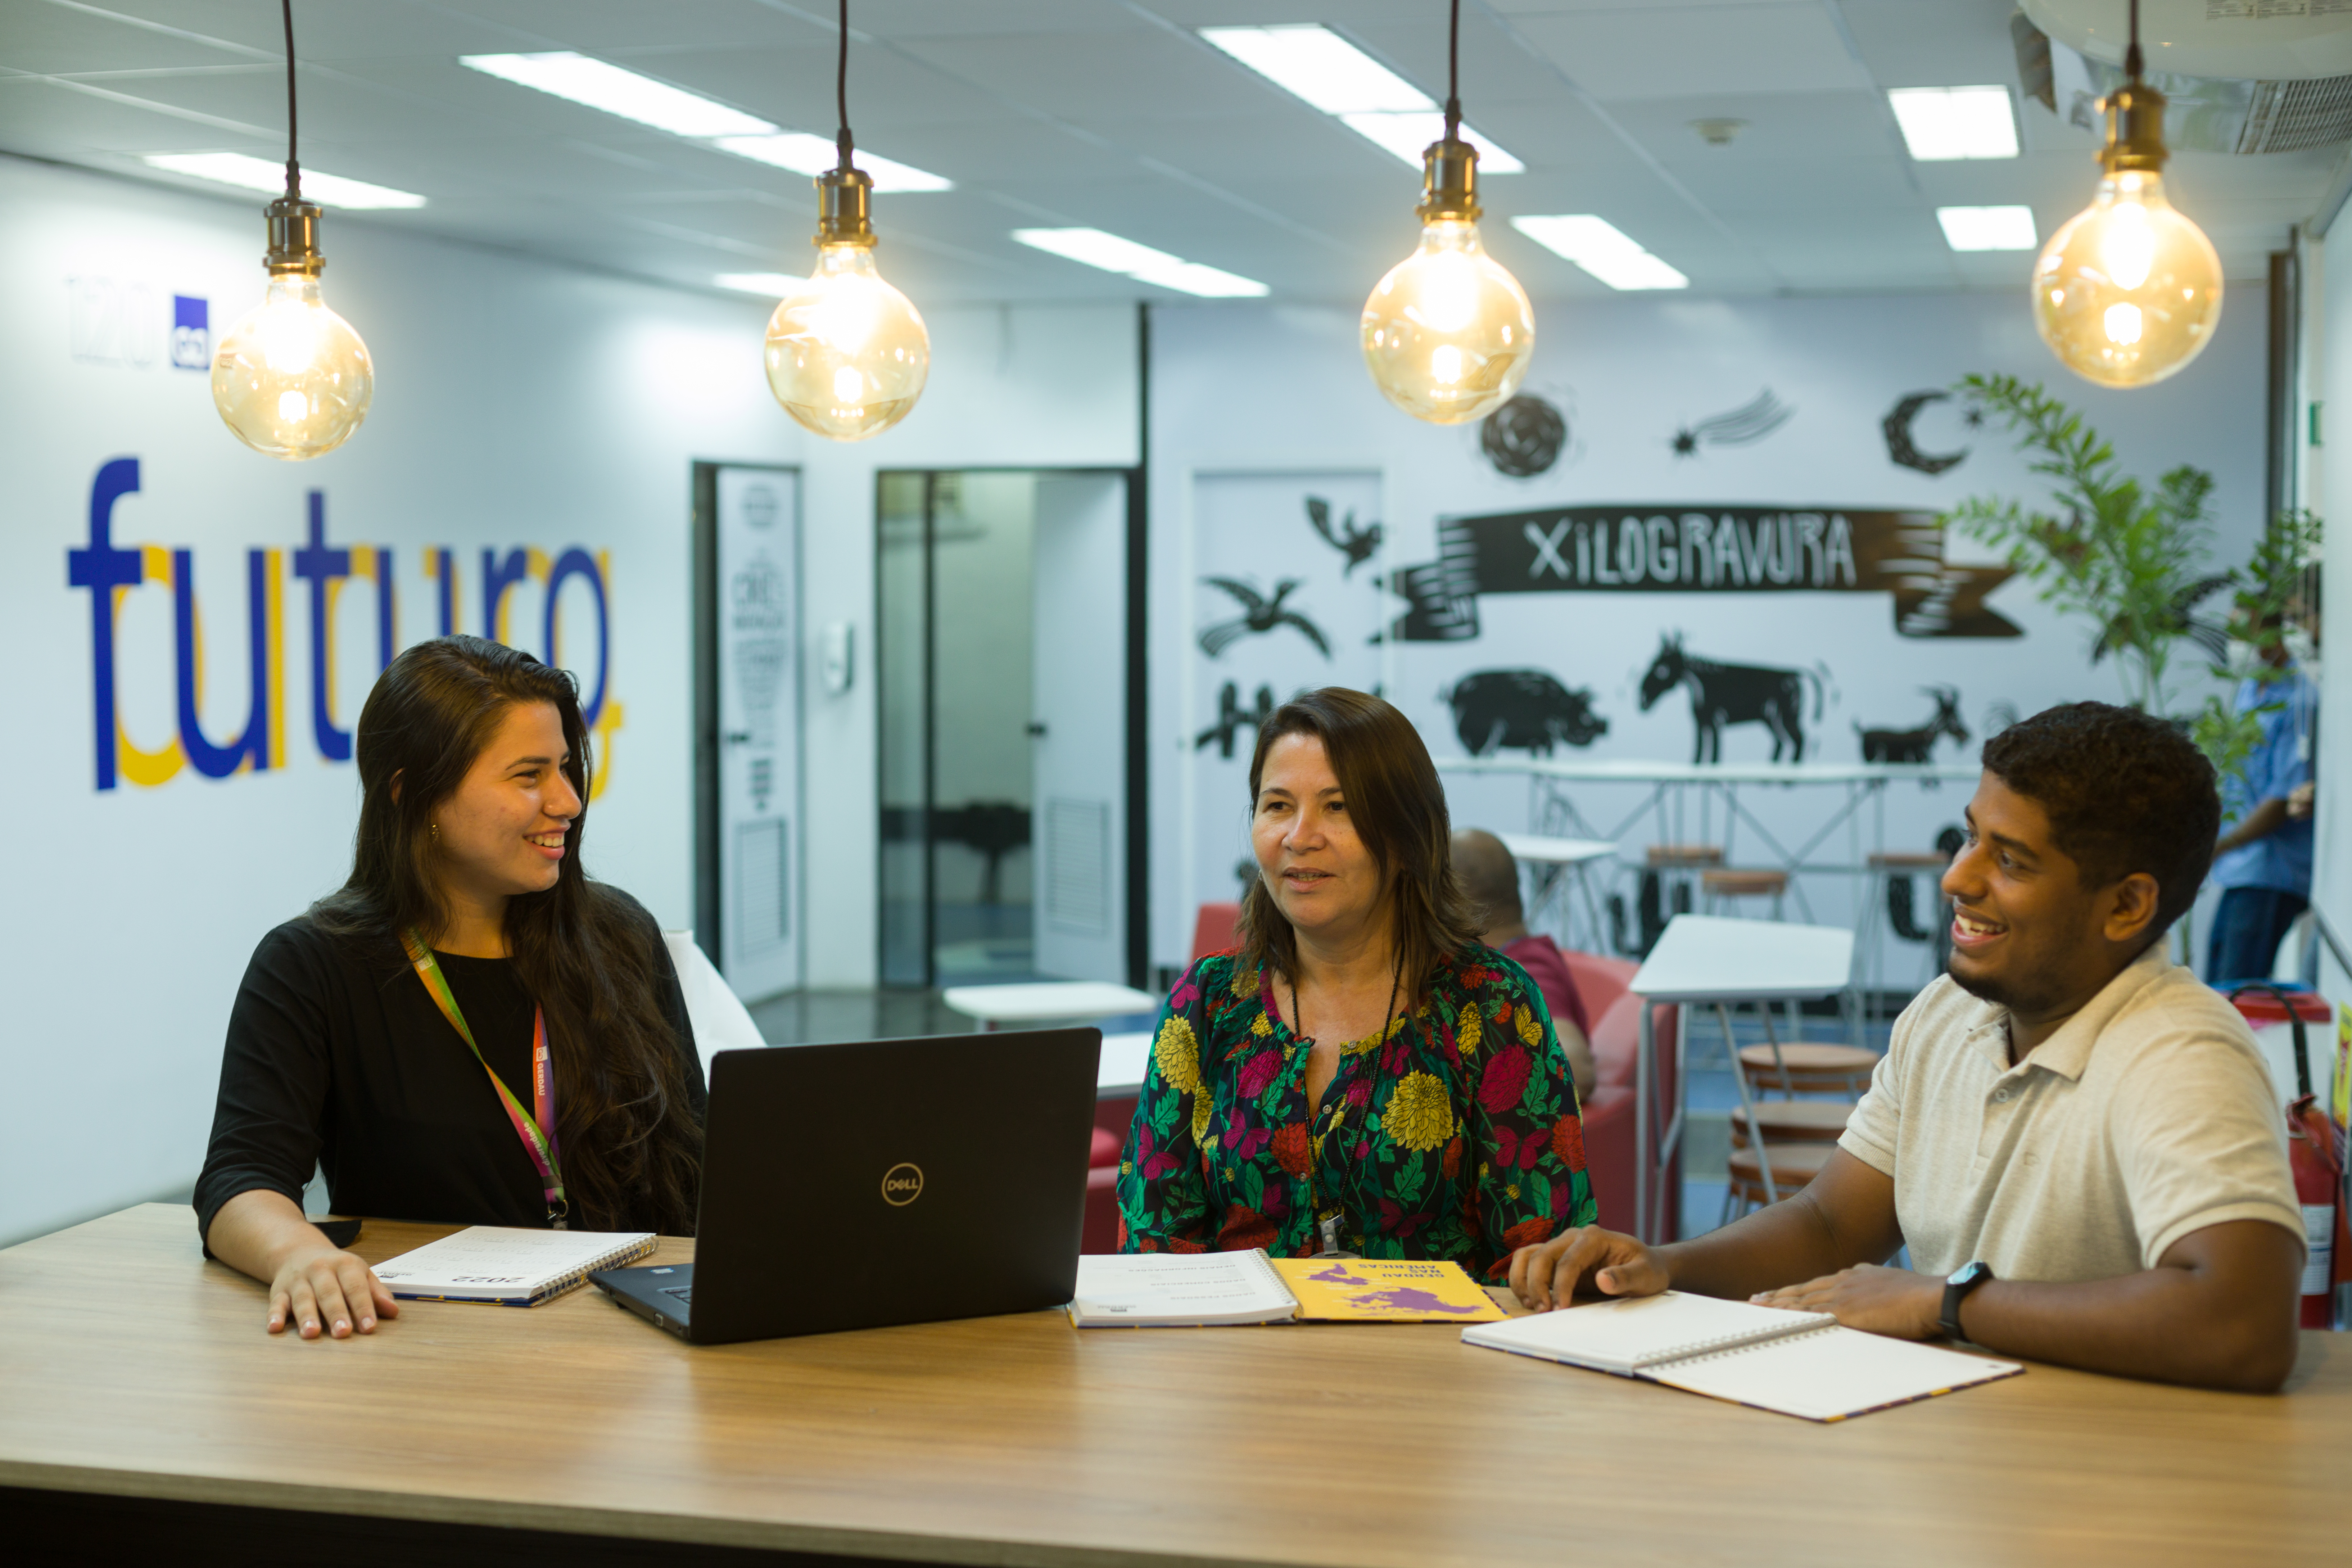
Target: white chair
[[721, 1022]]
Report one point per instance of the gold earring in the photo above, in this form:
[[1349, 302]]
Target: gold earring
[[437, 832]]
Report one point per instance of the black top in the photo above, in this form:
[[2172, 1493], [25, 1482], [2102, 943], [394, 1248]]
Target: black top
[[337, 1056]]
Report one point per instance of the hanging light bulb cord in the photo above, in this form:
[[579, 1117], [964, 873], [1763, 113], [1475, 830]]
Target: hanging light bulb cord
[[294, 169], [1452, 72], [841, 141], [2134, 63]]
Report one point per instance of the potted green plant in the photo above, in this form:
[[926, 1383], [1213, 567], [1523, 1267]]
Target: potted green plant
[[2136, 561]]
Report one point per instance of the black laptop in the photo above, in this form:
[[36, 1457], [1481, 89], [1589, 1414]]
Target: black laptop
[[854, 1186]]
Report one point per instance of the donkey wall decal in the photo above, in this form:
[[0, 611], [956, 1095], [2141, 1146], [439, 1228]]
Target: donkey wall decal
[[1724, 694]]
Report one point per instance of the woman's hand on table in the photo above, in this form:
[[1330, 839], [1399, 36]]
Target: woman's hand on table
[[1548, 1274], [324, 1289]]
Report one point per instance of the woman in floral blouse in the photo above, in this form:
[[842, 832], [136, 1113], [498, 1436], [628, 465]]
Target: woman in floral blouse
[[1362, 1075]]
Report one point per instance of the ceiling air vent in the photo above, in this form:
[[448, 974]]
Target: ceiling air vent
[[2211, 114]]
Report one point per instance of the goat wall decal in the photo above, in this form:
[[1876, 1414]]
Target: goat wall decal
[[1917, 745], [1725, 694]]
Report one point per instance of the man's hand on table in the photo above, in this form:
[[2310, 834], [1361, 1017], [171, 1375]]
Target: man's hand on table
[[1549, 1273], [324, 1289], [1892, 1301]]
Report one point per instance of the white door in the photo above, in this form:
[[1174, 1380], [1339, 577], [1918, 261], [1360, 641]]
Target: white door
[[1078, 703], [759, 647]]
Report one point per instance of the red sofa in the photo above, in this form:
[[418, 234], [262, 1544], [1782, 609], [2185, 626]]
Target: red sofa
[[1616, 1014]]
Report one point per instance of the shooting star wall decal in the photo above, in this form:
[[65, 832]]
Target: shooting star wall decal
[[1742, 427]]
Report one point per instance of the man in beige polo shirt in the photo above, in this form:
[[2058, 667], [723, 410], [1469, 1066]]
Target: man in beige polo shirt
[[2077, 1139]]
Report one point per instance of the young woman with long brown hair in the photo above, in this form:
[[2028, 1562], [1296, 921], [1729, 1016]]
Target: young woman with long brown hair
[[1363, 1075], [470, 1031]]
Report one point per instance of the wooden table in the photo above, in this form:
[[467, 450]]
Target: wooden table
[[128, 1367]]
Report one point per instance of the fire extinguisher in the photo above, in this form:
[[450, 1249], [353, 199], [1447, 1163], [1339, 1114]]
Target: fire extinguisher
[[2318, 1173]]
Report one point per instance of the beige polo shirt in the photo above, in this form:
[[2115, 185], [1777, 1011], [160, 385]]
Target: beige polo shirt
[[2148, 1115]]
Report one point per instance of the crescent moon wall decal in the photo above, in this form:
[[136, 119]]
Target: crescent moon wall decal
[[1899, 444]]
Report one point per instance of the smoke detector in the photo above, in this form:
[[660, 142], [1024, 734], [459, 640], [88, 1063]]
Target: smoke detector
[[1718, 132]]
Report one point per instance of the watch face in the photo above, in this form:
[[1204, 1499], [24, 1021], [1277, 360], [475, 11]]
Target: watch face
[[1969, 1273]]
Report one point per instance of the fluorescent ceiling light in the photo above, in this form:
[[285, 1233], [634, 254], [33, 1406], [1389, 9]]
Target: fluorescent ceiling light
[[622, 92], [1987, 228], [1320, 67], [1598, 246], [250, 173], [1109, 251], [1940, 123], [805, 153], [768, 285], [1334, 76]]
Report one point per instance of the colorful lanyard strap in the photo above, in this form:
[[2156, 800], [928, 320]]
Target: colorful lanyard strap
[[538, 1134]]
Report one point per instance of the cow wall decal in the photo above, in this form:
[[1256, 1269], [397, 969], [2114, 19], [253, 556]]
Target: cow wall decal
[[1725, 694], [1524, 709], [1917, 745]]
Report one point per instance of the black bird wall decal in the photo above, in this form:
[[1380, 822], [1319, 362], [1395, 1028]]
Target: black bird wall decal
[[1356, 544], [1742, 427], [1259, 614]]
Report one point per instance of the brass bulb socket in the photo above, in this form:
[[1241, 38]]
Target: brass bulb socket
[[844, 209], [2135, 129], [294, 237], [1449, 182]]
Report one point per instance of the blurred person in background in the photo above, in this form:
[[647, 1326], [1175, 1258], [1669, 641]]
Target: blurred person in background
[[1490, 878]]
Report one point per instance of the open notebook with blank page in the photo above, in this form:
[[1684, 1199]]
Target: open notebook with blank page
[[1797, 1363]]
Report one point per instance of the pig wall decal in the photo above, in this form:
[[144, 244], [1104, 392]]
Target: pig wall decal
[[1523, 709]]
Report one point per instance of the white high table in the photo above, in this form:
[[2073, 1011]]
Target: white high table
[[1044, 1001], [1707, 959], [1560, 860]]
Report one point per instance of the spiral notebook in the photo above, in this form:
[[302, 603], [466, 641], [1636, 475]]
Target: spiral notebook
[[1797, 1363], [499, 1267]]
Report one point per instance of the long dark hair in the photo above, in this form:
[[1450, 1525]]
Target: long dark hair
[[586, 954], [1399, 810]]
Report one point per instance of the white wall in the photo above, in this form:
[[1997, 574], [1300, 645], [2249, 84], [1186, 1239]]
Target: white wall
[[2329, 493], [518, 405], [1239, 388]]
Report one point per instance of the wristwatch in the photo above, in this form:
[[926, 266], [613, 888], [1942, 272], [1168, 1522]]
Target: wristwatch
[[1956, 1286]]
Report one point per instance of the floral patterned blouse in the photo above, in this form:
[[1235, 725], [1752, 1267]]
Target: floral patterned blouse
[[1458, 1138]]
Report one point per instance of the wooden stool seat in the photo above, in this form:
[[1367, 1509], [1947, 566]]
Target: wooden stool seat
[[1794, 1166], [1810, 1069], [1758, 884], [1686, 854], [1792, 1122], [1908, 860]]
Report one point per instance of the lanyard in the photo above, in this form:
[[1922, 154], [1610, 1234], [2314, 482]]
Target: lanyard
[[538, 1134]]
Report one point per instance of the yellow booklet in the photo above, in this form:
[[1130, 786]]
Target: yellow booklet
[[1384, 1291]]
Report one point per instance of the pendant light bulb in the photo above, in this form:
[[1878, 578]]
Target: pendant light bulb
[[290, 378], [2128, 291], [847, 353], [1448, 331]]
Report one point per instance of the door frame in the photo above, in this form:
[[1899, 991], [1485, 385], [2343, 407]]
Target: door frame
[[1137, 848], [708, 892]]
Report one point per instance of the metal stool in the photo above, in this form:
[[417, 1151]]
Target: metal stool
[[1886, 869], [1718, 885]]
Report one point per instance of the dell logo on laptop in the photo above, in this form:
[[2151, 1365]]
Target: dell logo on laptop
[[902, 1184]]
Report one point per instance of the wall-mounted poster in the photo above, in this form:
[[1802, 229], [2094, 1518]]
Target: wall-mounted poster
[[1286, 595]]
